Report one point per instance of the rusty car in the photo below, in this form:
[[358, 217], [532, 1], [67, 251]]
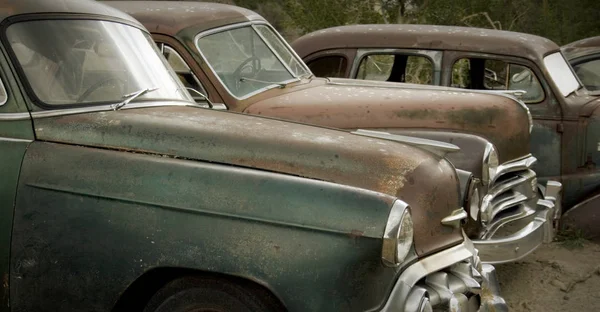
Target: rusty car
[[584, 57], [566, 114], [120, 193], [234, 58]]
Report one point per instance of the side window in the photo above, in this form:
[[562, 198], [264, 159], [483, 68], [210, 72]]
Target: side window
[[396, 68], [329, 66], [589, 74], [487, 74], [183, 71]]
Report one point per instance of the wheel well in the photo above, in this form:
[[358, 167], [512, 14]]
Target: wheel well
[[137, 295]]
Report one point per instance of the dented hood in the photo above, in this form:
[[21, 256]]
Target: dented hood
[[354, 104], [194, 133]]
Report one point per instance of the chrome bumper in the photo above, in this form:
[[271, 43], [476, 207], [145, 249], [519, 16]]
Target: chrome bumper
[[537, 230], [450, 280]]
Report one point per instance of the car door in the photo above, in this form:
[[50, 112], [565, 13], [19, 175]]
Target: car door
[[16, 133], [492, 72]]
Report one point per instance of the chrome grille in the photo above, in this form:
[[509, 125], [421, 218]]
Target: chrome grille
[[511, 200]]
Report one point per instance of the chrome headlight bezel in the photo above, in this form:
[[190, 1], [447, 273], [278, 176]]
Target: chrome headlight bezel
[[490, 164], [398, 236]]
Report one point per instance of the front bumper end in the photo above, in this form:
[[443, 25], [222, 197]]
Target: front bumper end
[[450, 280], [531, 231]]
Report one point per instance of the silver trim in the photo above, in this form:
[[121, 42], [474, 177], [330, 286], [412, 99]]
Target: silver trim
[[107, 107], [436, 147], [454, 220], [520, 244], [3, 91], [14, 116], [5, 139]]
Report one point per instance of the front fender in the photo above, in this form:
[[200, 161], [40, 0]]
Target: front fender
[[90, 221], [472, 147]]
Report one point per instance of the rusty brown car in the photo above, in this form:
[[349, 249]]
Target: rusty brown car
[[566, 114], [584, 57], [118, 192], [235, 58]]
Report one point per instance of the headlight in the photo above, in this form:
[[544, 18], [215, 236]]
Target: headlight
[[490, 164], [398, 235]]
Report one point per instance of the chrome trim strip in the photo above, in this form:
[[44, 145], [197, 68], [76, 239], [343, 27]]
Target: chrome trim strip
[[521, 216], [3, 91], [107, 107], [517, 165], [436, 147], [508, 203], [516, 246], [14, 116], [240, 25], [272, 49], [5, 139]]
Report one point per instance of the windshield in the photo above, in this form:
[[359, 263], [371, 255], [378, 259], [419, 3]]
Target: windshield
[[90, 61], [250, 59], [589, 73], [561, 73]]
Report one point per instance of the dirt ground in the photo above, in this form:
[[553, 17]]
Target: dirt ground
[[556, 277]]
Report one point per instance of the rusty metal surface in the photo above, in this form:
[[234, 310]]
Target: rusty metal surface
[[82, 234], [590, 42], [425, 37], [20, 7], [171, 17], [331, 155], [365, 106]]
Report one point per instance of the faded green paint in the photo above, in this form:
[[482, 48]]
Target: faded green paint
[[290, 233], [278, 146]]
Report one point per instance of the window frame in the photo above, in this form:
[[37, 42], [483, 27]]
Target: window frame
[[434, 56], [322, 56], [250, 24], [533, 69], [162, 46]]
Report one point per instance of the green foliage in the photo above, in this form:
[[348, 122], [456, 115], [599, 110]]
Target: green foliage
[[562, 21]]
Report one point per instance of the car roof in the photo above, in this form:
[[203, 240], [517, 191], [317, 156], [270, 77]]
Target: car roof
[[13, 8], [581, 48], [171, 17], [425, 37]]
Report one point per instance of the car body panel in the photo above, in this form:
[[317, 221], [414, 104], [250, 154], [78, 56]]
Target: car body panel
[[274, 145], [559, 140], [183, 213]]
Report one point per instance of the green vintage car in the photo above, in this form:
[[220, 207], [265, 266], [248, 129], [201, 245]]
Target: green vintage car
[[120, 193]]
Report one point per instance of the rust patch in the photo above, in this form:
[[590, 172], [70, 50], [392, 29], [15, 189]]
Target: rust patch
[[356, 234]]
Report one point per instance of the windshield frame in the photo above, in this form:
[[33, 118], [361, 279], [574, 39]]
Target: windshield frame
[[252, 24], [565, 93], [30, 93]]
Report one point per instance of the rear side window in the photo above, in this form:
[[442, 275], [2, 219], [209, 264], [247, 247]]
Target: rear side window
[[490, 74], [396, 68], [329, 66]]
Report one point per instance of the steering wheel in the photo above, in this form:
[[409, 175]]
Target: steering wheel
[[255, 68], [99, 84]]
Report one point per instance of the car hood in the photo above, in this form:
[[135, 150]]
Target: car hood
[[425, 181], [354, 104]]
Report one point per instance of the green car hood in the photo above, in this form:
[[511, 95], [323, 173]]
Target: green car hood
[[425, 181]]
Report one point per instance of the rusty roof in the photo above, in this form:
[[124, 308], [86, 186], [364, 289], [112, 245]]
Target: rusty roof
[[170, 17], [581, 48], [425, 37], [10, 8]]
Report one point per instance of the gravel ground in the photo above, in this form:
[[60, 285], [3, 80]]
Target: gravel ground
[[556, 277]]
